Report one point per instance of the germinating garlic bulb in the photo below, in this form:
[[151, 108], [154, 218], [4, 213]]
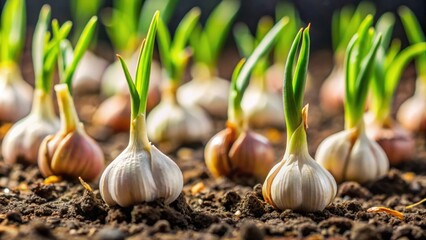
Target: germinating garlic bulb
[[234, 154], [205, 90], [332, 92], [16, 94], [70, 152], [262, 108], [172, 122], [141, 173], [351, 156], [298, 182], [24, 138], [87, 76]]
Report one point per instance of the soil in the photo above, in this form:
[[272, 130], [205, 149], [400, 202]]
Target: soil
[[215, 208]]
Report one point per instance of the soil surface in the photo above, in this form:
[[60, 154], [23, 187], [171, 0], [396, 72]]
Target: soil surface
[[215, 208]]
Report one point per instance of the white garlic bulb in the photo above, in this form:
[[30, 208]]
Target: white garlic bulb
[[172, 122], [15, 94], [351, 156], [262, 108], [298, 182], [140, 173], [24, 138], [87, 76], [207, 91]]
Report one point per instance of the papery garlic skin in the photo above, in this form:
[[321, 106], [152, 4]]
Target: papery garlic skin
[[16, 94], [263, 109], [88, 74], [24, 138], [70, 152], [140, 175], [351, 156], [210, 94], [298, 182], [170, 121], [246, 154]]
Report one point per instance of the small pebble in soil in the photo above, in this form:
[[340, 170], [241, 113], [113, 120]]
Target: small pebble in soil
[[249, 231], [109, 233]]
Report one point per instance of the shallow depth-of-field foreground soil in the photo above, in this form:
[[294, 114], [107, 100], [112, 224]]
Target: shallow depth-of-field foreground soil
[[215, 208]]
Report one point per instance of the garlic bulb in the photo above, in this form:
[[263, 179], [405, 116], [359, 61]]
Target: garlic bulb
[[396, 142], [332, 91], [351, 156], [275, 76], [205, 90], [262, 108], [114, 113], [412, 112], [70, 152], [172, 122], [24, 138], [87, 76], [16, 94], [298, 182], [234, 154], [141, 173]]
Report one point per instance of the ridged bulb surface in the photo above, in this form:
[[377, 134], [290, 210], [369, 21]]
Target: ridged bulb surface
[[248, 154], [171, 122], [351, 156], [23, 140], [15, 94], [298, 182], [140, 175]]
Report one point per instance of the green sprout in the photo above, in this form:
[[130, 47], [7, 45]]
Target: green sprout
[[82, 11], [389, 65], [174, 54], [208, 42], [359, 67], [128, 22], [12, 31], [240, 77]]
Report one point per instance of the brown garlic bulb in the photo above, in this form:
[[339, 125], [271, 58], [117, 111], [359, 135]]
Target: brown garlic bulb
[[114, 113], [398, 144], [70, 152], [232, 154]]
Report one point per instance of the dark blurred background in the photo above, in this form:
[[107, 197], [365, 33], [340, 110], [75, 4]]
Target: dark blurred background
[[318, 13]]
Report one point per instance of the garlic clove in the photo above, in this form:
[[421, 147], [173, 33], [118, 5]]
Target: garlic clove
[[16, 94], [332, 91], [209, 94], [216, 152], [114, 113], [251, 154]]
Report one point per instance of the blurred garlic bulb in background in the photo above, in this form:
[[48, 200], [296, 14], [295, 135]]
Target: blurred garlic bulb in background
[[206, 90], [114, 113], [16, 94], [87, 77], [412, 113], [70, 152]]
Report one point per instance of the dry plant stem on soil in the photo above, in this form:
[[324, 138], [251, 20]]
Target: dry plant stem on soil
[[16, 94], [236, 150], [297, 181], [206, 89], [24, 138], [350, 155], [141, 173]]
